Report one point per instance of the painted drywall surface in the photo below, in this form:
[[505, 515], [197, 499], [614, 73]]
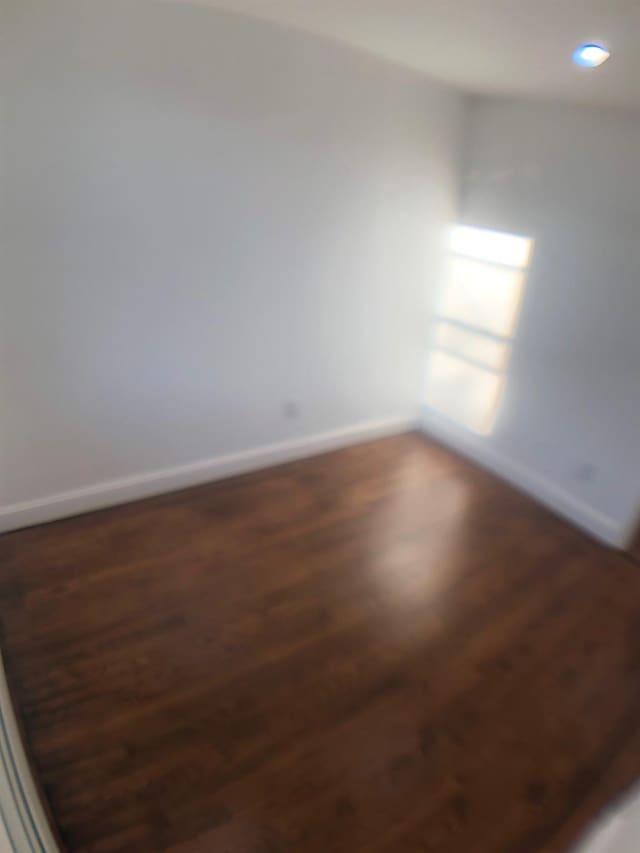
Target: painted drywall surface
[[567, 176], [618, 829], [217, 235]]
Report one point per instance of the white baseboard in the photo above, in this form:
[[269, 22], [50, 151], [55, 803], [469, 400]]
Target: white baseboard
[[24, 827], [140, 486], [602, 527]]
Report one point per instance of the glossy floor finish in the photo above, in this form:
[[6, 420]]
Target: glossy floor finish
[[381, 649]]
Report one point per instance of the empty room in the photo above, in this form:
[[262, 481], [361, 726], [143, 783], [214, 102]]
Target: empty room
[[319, 426]]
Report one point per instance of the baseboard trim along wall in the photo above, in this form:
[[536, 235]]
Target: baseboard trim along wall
[[24, 827], [133, 488], [600, 526], [114, 492]]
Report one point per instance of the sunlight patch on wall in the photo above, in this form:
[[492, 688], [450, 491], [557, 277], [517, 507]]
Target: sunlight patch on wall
[[475, 324], [493, 246]]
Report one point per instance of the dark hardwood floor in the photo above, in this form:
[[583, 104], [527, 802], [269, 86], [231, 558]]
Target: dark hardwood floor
[[381, 649]]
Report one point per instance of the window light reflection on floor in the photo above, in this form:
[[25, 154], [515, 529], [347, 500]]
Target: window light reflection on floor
[[475, 324]]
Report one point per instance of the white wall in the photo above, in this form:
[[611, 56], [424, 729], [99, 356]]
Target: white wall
[[205, 218], [567, 176]]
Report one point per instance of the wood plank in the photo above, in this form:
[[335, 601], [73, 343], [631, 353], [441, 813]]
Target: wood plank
[[380, 649]]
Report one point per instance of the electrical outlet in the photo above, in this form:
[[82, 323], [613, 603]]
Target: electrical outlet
[[291, 410], [586, 472]]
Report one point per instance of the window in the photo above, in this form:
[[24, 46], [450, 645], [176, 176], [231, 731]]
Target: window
[[475, 324]]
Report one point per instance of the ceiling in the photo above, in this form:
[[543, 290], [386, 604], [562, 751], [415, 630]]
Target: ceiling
[[519, 47]]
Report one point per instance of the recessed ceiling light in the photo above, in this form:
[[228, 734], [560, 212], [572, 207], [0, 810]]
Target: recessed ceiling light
[[590, 55]]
